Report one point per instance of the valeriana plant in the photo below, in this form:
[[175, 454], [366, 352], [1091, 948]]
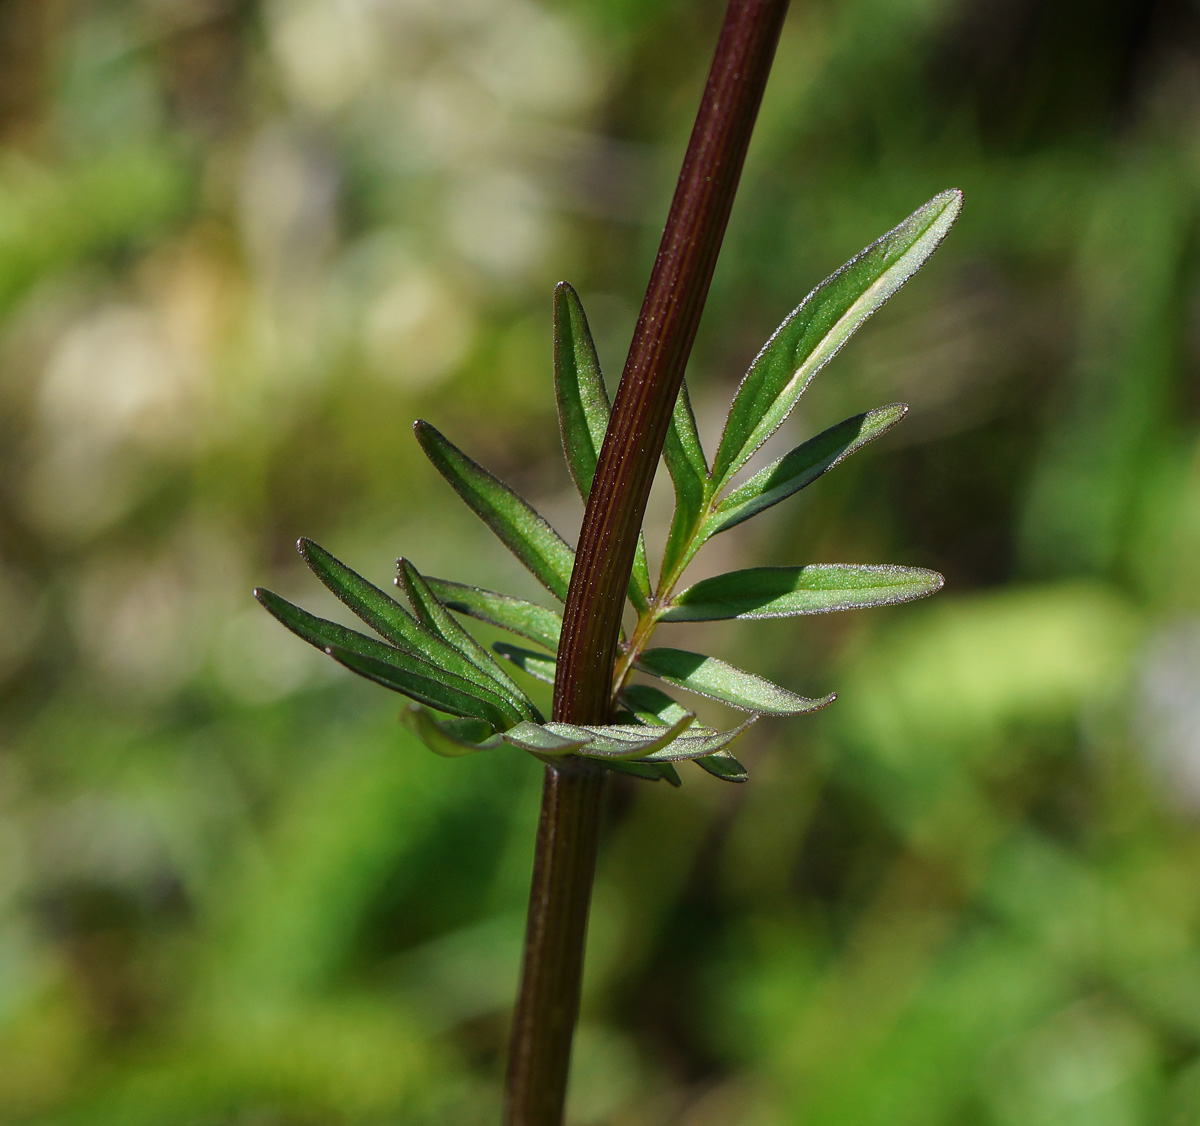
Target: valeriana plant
[[464, 698]]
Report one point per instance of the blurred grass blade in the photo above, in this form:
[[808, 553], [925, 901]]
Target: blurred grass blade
[[513, 614], [819, 588], [448, 693], [689, 474], [537, 665], [651, 771], [583, 410], [450, 738], [520, 528], [651, 705], [818, 328], [474, 661], [799, 468], [724, 766], [720, 681], [583, 403]]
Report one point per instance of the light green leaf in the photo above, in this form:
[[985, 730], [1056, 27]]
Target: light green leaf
[[583, 403], [513, 614], [451, 738], [473, 661], [621, 741], [537, 665], [689, 474], [700, 743], [639, 577], [539, 739], [819, 588], [818, 328], [520, 528], [710, 677], [801, 467]]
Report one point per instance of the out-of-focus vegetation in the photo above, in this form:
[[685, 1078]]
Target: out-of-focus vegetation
[[243, 245]]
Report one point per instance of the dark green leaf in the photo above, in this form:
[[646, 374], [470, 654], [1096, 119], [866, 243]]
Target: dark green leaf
[[724, 766], [801, 467], [583, 403], [381, 612], [819, 588], [650, 771], [520, 528], [719, 681], [513, 614], [818, 328], [537, 665], [446, 693], [689, 474], [474, 661], [451, 738]]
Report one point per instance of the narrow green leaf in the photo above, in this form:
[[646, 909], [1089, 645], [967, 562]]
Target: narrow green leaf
[[446, 693], [539, 739], [537, 665], [322, 633], [819, 588], [450, 738], [583, 410], [822, 323], [801, 467], [583, 403], [622, 741], [651, 705], [380, 611], [700, 744], [520, 528], [513, 614], [724, 766], [719, 681], [650, 771], [474, 661], [689, 474]]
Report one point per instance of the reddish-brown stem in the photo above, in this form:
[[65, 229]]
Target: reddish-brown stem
[[551, 974]]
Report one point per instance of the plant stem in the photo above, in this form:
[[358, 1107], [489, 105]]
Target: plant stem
[[565, 862]]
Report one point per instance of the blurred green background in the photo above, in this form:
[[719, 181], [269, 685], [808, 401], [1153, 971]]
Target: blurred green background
[[244, 243]]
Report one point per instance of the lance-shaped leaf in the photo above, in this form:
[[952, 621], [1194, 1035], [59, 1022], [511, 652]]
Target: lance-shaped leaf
[[724, 766], [822, 323], [391, 620], [513, 614], [537, 665], [380, 611], [819, 588], [539, 739], [429, 683], [801, 467], [583, 403], [583, 410], [622, 741], [433, 686], [699, 743], [689, 474], [451, 738], [650, 771], [717, 680], [652, 705], [520, 528], [479, 663]]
